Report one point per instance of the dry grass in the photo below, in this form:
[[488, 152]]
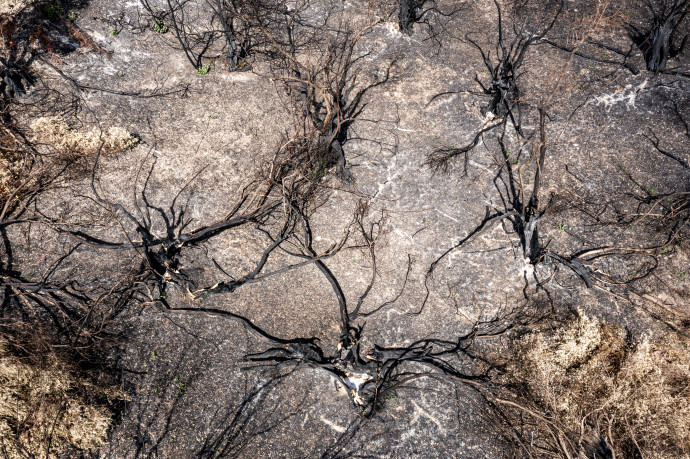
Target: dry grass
[[13, 163], [589, 378], [10, 7], [46, 409], [10, 169], [63, 144], [57, 133]]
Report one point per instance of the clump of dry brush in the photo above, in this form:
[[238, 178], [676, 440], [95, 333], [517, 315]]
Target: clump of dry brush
[[603, 395]]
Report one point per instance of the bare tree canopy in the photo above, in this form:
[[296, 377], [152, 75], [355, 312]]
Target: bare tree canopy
[[325, 228]]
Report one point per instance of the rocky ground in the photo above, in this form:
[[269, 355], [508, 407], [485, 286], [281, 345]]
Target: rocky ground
[[190, 390]]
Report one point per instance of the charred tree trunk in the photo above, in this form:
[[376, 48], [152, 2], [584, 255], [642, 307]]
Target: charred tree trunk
[[227, 20], [234, 25], [409, 13], [657, 43], [504, 94], [14, 80]]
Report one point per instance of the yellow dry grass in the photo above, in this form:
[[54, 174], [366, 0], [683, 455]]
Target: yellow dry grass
[[65, 144], [10, 7], [587, 376], [44, 408], [9, 171], [12, 164], [57, 133]]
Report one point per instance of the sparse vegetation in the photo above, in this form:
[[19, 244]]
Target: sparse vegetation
[[53, 9], [159, 26], [56, 133], [203, 70], [286, 260], [47, 406], [590, 379]]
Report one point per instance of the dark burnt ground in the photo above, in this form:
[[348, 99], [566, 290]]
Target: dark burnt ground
[[192, 393]]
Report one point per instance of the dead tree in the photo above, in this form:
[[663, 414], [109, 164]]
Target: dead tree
[[15, 53], [525, 207], [15, 79], [235, 24], [367, 375], [317, 61], [30, 35], [658, 43], [194, 28], [75, 314], [160, 254], [205, 29], [504, 71], [409, 13], [44, 299], [423, 12], [319, 65]]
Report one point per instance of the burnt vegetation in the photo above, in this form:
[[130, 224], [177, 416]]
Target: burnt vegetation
[[661, 40], [88, 270]]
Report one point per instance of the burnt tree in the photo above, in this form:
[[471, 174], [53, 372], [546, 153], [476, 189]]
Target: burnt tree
[[659, 41], [524, 161], [321, 73], [426, 13], [504, 71]]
